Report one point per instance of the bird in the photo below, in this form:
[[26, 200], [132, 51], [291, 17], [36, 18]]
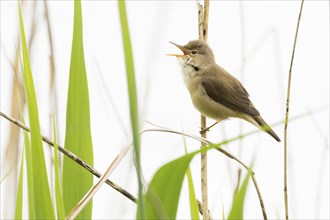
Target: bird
[[215, 92]]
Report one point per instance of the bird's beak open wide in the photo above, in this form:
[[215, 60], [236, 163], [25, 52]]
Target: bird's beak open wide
[[184, 50]]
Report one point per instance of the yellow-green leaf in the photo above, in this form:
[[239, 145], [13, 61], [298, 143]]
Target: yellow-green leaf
[[29, 172], [133, 101], [162, 197], [192, 196], [237, 208], [19, 197], [58, 188], [78, 139], [43, 207]]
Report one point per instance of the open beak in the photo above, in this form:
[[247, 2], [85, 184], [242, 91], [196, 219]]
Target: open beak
[[184, 50]]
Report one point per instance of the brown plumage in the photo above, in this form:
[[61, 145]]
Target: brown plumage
[[214, 92]]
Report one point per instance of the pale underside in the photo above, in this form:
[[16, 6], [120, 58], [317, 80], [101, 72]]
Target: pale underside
[[207, 106]]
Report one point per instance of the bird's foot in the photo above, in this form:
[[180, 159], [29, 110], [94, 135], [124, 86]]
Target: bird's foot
[[202, 131]]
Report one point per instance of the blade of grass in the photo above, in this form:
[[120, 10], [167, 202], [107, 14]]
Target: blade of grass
[[162, 197], [43, 208], [78, 139], [192, 196], [28, 160], [237, 208], [58, 188], [223, 211], [133, 103], [19, 197]]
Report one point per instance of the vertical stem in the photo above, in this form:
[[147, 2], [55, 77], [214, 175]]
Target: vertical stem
[[205, 208], [287, 117], [206, 20], [242, 70], [200, 21], [203, 13], [242, 66]]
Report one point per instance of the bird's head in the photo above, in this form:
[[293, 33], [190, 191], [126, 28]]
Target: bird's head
[[196, 54]]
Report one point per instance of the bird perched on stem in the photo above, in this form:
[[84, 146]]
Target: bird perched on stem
[[214, 92]]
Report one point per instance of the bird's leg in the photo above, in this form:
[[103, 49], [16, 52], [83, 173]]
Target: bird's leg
[[208, 128]]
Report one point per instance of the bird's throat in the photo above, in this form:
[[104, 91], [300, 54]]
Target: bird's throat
[[189, 72]]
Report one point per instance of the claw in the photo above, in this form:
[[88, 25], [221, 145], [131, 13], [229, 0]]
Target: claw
[[202, 131]]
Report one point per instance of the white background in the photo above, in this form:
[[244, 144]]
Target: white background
[[253, 40]]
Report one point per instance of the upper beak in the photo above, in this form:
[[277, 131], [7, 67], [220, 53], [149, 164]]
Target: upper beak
[[184, 50]]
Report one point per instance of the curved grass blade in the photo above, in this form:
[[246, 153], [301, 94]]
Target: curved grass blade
[[58, 189], [133, 103], [78, 139], [237, 208], [192, 196], [162, 197], [43, 207], [29, 172], [19, 197]]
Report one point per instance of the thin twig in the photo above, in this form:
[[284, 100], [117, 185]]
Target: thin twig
[[91, 192], [52, 88], [287, 117], [75, 158], [51, 57], [242, 69]]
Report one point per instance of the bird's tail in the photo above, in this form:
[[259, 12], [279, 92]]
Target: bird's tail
[[265, 127]]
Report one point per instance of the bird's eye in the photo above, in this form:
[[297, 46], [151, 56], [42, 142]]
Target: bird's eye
[[193, 52]]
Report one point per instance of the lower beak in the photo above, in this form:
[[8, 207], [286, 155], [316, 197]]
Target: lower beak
[[177, 55], [184, 50]]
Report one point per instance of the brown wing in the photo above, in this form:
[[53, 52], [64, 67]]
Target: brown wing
[[230, 93]]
